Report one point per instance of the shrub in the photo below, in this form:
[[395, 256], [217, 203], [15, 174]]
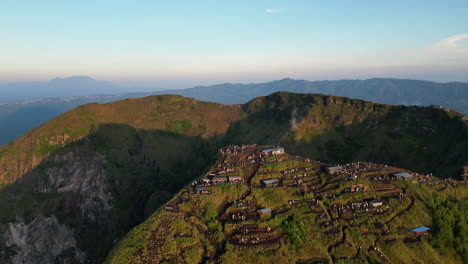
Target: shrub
[[179, 126], [294, 229]]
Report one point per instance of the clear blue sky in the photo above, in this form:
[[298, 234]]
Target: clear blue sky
[[217, 41]]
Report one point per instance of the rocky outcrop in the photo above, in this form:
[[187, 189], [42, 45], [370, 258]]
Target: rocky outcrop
[[82, 176], [44, 240]]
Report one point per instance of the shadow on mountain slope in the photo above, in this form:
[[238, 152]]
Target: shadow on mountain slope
[[106, 183]]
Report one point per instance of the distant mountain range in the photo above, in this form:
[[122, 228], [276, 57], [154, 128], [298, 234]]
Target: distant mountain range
[[18, 117], [452, 95]]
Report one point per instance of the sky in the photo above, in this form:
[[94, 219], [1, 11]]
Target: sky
[[185, 43]]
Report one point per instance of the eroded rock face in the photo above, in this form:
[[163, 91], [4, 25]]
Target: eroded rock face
[[76, 181], [82, 177], [44, 240]]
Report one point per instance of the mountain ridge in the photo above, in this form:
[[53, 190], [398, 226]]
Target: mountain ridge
[[29, 114], [357, 89], [82, 116]]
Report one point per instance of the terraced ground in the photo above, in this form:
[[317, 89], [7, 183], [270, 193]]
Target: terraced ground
[[316, 217]]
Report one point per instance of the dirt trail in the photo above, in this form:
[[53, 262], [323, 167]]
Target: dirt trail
[[339, 242], [402, 211], [249, 172]]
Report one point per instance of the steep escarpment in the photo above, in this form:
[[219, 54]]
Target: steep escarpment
[[43, 240], [104, 184], [70, 188], [80, 175]]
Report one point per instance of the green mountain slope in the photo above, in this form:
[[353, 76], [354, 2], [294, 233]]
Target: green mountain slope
[[168, 113], [338, 129], [358, 215], [99, 170], [16, 118]]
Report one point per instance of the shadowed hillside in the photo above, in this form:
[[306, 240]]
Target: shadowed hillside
[[99, 187]]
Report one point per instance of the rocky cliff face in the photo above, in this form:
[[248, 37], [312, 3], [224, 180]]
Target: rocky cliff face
[[82, 177], [75, 182], [44, 240]]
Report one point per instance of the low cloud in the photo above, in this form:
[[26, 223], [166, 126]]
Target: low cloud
[[452, 50], [452, 44], [272, 10]]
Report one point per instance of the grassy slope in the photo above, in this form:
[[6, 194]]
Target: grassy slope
[[338, 129], [195, 232], [150, 113]]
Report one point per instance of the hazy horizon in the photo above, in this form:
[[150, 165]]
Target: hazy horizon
[[184, 44], [161, 85]]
